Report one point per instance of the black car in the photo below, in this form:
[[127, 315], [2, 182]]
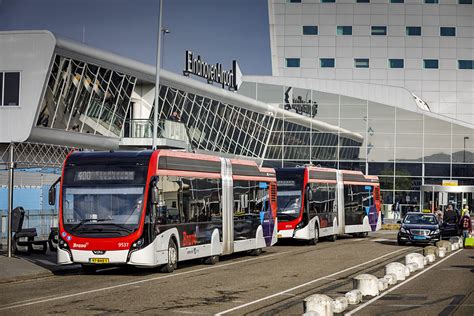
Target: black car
[[419, 228]]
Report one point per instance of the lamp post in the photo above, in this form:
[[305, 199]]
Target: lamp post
[[157, 81], [465, 138]]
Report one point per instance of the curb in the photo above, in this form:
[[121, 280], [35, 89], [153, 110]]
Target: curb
[[390, 227], [26, 277]]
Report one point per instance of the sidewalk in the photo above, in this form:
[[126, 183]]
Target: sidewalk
[[24, 267]]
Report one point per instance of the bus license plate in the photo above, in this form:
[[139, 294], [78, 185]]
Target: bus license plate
[[279, 236], [99, 260]]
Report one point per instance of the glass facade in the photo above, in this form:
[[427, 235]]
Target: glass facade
[[404, 148], [83, 97]]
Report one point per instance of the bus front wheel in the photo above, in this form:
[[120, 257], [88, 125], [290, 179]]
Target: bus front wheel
[[314, 241], [212, 260], [172, 258]]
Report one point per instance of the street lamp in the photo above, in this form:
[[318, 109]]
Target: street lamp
[[465, 138], [157, 80], [164, 31]]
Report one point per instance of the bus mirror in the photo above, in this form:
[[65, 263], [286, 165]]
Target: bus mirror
[[52, 195], [155, 195]]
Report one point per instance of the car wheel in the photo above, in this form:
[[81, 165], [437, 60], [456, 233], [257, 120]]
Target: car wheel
[[172, 258], [400, 242]]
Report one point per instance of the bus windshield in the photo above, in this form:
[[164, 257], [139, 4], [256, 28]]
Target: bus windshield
[[289, 205], [104, 211]]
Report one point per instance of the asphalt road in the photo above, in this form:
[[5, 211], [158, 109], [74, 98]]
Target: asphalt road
[[274, 283]]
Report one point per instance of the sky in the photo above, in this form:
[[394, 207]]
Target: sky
[[218, 30]]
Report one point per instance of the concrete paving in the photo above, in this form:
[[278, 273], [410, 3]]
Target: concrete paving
[[274, 283]]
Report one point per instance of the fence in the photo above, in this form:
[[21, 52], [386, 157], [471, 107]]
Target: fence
[[42, 220]]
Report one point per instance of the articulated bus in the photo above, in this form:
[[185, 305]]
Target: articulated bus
[[155, 208], [318, 202]]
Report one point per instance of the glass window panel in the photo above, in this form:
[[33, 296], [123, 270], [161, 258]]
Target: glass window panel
[[270, 93], [350, 153], [466, 64], [436, 126], [396, 63], [438, 155], [352, 165], [381, 168], [362, 1], [446, 31], [411, 154], [379, 154], [409, 140], [377, 126], [327, 62], [248, 89], [387, 182], [408, 115], [292, 62], [408, 169], [431, 1], [381, 140], [293, 1], [463, 170], [344, 30], [437, 141], [410, 127], [11, 95], [465, 1], [437, 170], [381, 111], [434, 181], [310, 30], [379, 30], [430, 63], [407, 199], [353, 125], [328, 1], [361, 63], [461, 142], [327, 110], [413, 30], [463, 156], [354, 112]]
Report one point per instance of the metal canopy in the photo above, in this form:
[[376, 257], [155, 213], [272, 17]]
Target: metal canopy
[[447, 188]]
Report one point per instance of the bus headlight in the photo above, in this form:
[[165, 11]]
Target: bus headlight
[[138, 244]]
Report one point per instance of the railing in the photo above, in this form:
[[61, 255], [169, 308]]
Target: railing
[[42, 220], [143, 128]]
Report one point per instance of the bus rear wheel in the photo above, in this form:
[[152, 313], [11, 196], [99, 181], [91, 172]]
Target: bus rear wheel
[[363, 235], [256, 252], [172, 258], [314, 241], [332, 238]]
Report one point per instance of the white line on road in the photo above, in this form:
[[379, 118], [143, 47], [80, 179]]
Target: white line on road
[[55, 298], [307, 283], [401, 284]]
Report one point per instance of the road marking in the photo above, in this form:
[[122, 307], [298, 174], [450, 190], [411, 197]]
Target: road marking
[[399, 285], [50, 298], [380, 239], [308, 283]]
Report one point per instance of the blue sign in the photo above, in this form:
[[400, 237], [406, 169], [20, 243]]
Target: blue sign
[[262, 185], [368, 188], [262, 217]]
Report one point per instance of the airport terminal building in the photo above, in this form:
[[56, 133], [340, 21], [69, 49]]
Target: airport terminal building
[[56, 92]]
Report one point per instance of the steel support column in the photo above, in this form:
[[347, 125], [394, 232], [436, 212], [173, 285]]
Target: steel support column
[[11, 167]]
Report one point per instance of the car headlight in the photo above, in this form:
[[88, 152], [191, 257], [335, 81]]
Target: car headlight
[[435, 232], [403, 230]]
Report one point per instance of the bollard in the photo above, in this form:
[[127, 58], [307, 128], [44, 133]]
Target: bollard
[[425, 261], [340, 304], [455, 246], [319, 303], [441, 252], [396, 268], [383, 284], [367, 284], [431, 258], [391, 278], [407, 271], [415, 258], [354, 297], [454, 240], [413, 266], [444, 243], [310, 314], [429, 250]]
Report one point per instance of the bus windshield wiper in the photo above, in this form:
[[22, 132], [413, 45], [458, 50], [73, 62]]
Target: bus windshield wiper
[[85, 220]]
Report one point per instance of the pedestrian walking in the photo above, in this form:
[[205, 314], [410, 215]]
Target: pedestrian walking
[[466, 224]]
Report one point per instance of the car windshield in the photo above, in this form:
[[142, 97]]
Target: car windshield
[[105, 211], [289, 205], [420, 219]]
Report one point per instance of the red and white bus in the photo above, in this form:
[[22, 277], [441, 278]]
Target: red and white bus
[[318, 202], [155, 208]]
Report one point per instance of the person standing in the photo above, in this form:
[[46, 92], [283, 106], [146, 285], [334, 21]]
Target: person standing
[[396, 210], [465, 209], [466, 224]]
